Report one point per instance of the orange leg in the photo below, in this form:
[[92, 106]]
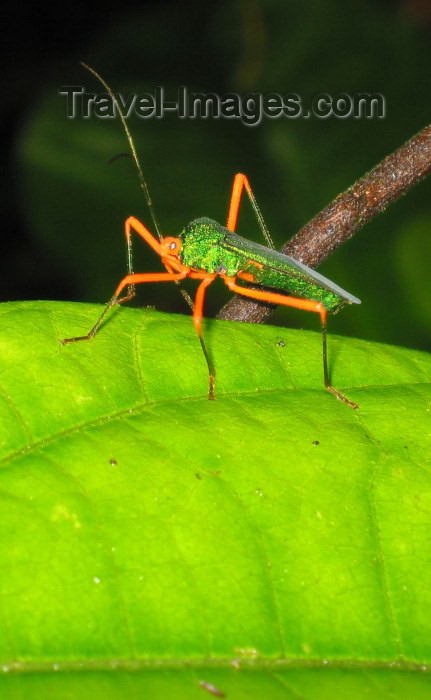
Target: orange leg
[[239, 184], [235, 200], [197, 320], [128, 281], [306, 305], [133, 224], [186, 296]]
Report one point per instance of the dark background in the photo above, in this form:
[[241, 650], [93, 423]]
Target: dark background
[[63, 207]]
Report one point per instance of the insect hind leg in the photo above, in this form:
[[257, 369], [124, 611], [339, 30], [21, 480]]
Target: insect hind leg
[[306, 305], [328, 385]]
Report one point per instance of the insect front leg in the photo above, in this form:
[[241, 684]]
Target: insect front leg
[[132, 224], [128, 281]]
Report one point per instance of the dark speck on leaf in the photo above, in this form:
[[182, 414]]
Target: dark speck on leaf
[[113, 462], [198, 476], [281, 343], [316, 442]]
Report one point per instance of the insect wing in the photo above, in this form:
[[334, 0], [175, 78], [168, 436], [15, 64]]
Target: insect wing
[[273, 269]]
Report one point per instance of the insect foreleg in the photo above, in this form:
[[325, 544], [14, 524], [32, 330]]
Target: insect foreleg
[[133, 224], [128, 281]]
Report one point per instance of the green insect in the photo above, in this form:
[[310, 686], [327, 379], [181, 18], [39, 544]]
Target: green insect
[[205, 250]]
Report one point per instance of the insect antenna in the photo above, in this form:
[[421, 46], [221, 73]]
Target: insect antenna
[[142, 182], [118, 156]]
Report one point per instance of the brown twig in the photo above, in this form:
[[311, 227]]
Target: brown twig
[[348, 213]]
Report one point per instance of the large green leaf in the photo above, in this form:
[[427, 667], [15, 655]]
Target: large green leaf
[[273, 543]]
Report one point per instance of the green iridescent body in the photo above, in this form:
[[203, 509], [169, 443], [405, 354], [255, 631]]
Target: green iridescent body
[[206, 245]]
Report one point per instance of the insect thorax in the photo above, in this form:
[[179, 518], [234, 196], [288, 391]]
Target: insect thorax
[[202, 247]]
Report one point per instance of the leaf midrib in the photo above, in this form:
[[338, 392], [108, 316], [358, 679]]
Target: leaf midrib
[[261, 663], [141, 407]]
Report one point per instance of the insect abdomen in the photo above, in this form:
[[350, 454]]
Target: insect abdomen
[[295, 284]]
